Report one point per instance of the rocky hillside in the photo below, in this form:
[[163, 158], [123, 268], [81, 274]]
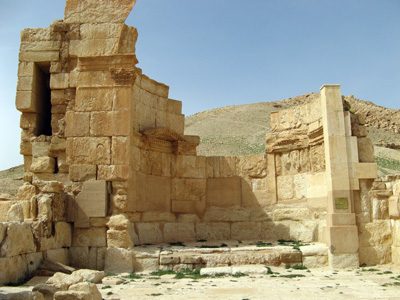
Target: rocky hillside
[[240, 129]]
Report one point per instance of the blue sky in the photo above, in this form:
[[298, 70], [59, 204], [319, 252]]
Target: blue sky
[[214, 53]]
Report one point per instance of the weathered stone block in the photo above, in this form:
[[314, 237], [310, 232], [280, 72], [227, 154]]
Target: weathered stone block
[[217, 214], [77, 124], [149, 233], [28, 120], [120, 123], [118, 260], [213, 231], [39, 56], [26, 69], [79, 257], [15, 213], [25, 102], [58, 255], [154, 194], [89, 150], [377, 255], [224, 192], [365, 150], [396, 255], [119, 150], [189, 166], [91, 237], [19, 240], [26, 191], [94, 99], [293, 213], [82, 172], [179, 232], [188, 189], [92, 201], [197, 207], [92, 47], [100, 31], [256, 198], [113, 172], [343, 260], [275, 230], [343, 239], [101, 123], [118, 222], [150, 216], [394, 207], [376, 233], [62, 165], [59, 81], [246, 231], [13, 269], [118, 239], [285, 187], [94, 12]]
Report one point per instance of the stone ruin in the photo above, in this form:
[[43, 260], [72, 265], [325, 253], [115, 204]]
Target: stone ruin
[[108, 166]]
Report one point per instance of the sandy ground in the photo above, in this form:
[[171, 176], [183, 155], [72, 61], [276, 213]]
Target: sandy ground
[[380, 282]]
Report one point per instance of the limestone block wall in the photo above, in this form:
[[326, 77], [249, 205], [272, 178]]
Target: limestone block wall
[[183, 197], [377, 219], [35, 229]]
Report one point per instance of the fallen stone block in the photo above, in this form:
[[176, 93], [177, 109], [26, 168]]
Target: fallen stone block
[[52, 266], [250, 269], [216, 271], [25, 295], [46, 290], [90, 275]]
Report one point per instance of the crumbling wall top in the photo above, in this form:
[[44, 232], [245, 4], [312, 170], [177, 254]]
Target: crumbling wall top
[[97, 11]]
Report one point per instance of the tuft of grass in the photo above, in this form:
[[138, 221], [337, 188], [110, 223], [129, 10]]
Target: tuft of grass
[[299, 267], [370, 270], [106, 287], [180, 244], [283, 241], [239, 275], [214, 246], [156, 294], [292, 275], [262, 244], [162, 272], [179, 275], [109, 293], [133, 275], [391, 284]]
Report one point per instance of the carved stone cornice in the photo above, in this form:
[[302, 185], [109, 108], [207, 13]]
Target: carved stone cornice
[[166, 140]]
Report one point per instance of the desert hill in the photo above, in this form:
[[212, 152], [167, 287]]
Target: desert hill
[[240, 129]]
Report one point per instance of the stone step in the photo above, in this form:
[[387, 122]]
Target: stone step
[[201, 255]]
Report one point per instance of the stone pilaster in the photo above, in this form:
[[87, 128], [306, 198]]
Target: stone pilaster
[[341, 231]]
